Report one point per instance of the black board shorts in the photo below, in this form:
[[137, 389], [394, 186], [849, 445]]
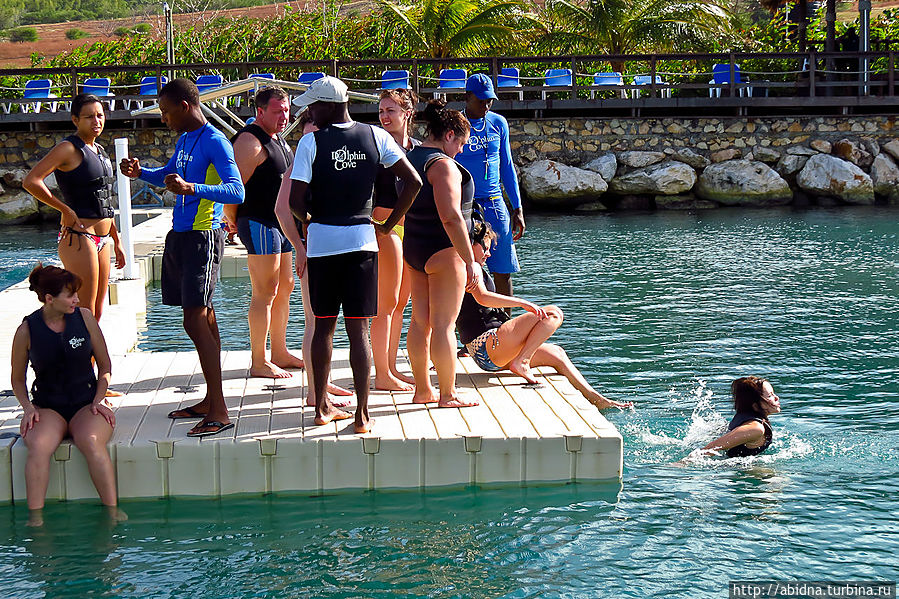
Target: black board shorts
[[349, 280], [190, 267]]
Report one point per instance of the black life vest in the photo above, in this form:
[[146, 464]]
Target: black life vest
[[262, 187], [87, 189], [63, 372], [343, 175], [741, 451]]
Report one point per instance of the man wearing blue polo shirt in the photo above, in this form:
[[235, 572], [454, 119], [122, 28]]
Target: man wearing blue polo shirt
[[488, 158]]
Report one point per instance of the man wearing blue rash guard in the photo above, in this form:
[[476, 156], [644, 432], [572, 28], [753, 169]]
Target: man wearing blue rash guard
[[488, 158], [203, 175]]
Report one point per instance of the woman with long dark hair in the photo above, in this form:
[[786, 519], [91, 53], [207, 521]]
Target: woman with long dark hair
[[749, 433]]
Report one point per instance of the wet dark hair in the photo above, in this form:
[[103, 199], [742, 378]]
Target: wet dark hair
[[181, 90], [406, 98], [52, 280], [439, 119], [267, 94], [747, 392], [82, 100]]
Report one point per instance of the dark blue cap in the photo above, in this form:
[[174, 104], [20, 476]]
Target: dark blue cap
[[481, 86]]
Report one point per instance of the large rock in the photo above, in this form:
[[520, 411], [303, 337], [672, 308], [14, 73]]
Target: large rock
[[688, 156], [554, 184], [640, 159], [743, 183], [724, 155], [854, 153], [821, 145], [605, 164], [13, 178], [825, 175], [666, 178], [892, 148], [885, 177], [764, 154], [17, 209], [790, 164]]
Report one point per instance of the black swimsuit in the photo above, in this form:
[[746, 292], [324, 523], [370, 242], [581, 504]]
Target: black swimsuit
[[425, 234], [64, 379], [741, 451]]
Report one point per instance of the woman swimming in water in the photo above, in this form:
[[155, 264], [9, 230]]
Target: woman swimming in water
[[498, 342], [67, 398], [87, 233], [749, 433]]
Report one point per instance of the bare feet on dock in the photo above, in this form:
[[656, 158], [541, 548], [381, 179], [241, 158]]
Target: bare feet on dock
[[338, 390], [331, 415], [391, 383], [363, 428], [523, 369], [333, 390], [601, 402], [456, 402], [287, 361], [403, 377], [426, 395], [268, 370]]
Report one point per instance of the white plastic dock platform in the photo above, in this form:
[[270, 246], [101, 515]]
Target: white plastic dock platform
[[517, 435]]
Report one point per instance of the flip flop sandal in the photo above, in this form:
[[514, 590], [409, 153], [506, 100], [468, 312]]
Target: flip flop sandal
[[218, 427], [185, 413]]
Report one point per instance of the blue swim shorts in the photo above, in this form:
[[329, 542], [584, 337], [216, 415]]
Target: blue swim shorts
[[503, 258], [260, 239], [478, 350]]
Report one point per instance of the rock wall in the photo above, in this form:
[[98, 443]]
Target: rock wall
[[601, 164]]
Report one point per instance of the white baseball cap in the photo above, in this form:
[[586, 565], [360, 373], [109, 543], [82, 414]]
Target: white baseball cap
[[324, 89]]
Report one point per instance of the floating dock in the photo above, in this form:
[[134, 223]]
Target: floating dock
[[517, 435]]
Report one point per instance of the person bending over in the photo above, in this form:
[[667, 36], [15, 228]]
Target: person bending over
[[67, 398], [203, 175], [498, 342]]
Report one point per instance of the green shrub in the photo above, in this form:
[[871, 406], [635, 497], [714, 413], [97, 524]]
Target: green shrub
[[139, 29], [23, 34], [75, 34]]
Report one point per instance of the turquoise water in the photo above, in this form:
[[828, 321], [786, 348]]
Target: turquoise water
[[21, 246], [663, 309]]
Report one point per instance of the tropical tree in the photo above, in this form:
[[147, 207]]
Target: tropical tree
[[457, 28], [633, 26]]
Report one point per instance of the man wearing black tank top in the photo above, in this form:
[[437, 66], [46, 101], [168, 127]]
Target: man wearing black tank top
[[262, 158], [331, 189]]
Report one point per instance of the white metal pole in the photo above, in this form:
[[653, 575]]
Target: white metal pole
[[124, 189], [864, 9]]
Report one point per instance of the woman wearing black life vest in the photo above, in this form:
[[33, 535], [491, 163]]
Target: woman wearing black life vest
[[59, 339], [749, 433], [85, 176]]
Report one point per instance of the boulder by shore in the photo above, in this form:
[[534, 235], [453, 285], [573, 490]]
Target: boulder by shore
[[849, 171]]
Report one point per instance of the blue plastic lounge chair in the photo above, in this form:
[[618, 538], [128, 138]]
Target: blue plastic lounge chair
[[308, 78], [99, 86], [238, 100], [556, 78], [509, 78], [395, 80], [262, 76], [147, 89], [721, 77], [451, 80], [209, 82], [35, 89], [607, 79], [664, 90]]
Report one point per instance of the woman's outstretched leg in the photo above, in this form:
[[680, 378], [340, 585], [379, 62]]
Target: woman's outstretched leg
[[90, 433], [519, 338], [550, 354], [41, 441]]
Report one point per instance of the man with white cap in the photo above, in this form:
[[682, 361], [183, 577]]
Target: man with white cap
[[330, 189], [488, 157]]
